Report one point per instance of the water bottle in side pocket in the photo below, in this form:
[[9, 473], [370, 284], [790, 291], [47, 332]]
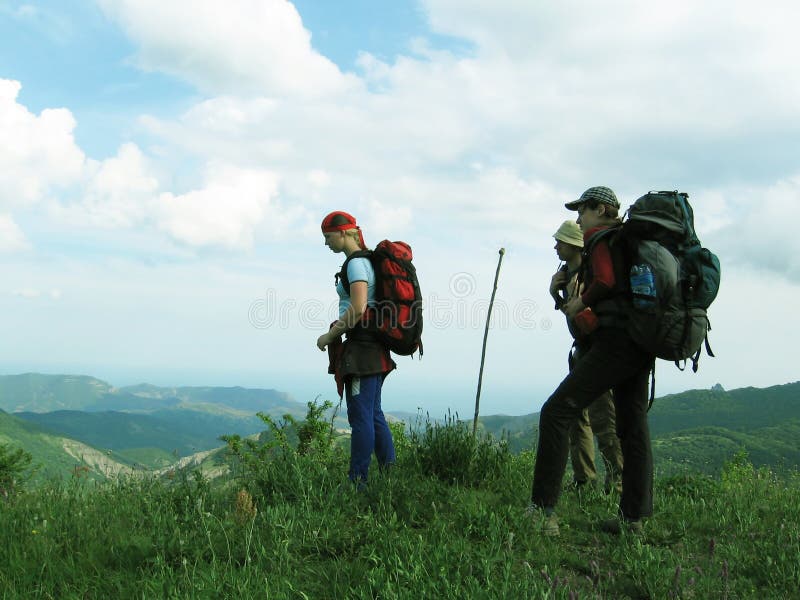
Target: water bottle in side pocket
[[643, 287]]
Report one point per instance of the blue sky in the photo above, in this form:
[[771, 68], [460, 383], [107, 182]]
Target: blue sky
[[164, 168]]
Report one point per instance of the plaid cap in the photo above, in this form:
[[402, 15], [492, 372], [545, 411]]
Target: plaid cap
[[599, 193]]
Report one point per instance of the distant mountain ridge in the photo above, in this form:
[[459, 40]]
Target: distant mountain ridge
[[240, 398], [36, 392]]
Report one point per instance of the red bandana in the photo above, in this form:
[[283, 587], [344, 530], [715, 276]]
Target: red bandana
[[328, 227]]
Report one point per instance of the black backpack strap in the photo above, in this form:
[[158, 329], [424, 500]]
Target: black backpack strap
[[588, 247], [342, 274], [708, 345]]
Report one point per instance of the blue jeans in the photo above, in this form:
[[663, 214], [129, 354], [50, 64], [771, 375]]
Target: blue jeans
[[369, 430]]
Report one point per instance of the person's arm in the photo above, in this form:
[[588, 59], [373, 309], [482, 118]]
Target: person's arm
[[354, 312], [357, 273], [603, 281], [557, 282], [603, 278]]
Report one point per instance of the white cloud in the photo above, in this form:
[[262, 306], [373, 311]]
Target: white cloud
[[124, 192], [38, 153], [226, 212], [12, 239], [549, 96], [121, 190], [549, 100], [760, 232], [245, 45], [628, 87]]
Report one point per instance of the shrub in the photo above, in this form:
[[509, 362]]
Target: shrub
[[450, 452], [288, 460], [14, 465]]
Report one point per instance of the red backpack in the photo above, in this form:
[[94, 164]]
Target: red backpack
[[396, 319]]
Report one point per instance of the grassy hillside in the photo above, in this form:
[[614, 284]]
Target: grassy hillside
[[706, 449], [145, 424], [177, 431], [448, 522], [58, 456]]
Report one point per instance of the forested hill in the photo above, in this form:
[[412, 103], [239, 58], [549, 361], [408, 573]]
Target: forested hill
[[744, 409], [701, 429]]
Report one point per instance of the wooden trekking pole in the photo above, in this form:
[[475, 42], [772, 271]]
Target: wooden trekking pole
[[483, 352]]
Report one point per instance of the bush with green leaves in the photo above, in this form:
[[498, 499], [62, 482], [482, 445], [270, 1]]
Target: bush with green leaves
[[450, 452], [14, 469], [291, 460]]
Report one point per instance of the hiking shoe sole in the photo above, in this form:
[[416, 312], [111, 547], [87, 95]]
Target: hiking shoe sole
[[619, 526]]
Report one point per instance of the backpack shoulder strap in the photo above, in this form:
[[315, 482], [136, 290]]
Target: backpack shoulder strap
[[601, 235], [342, 274], [610, 233]]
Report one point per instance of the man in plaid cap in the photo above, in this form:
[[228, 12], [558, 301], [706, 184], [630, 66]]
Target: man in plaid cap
[[593, 196], [614, 361]]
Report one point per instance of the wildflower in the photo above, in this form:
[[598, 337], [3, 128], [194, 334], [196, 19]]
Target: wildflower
[[245, 507]]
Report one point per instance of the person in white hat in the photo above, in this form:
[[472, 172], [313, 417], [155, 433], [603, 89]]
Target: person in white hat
[[599, 419]]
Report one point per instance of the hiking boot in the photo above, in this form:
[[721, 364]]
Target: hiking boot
[[548, 519], [622, 525]]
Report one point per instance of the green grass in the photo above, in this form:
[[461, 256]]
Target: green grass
[[151, 458], [448, 522]]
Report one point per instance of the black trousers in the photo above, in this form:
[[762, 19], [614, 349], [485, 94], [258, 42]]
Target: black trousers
[[613, 362]]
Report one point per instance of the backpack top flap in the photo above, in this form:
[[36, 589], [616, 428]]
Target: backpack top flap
[[665, 209]]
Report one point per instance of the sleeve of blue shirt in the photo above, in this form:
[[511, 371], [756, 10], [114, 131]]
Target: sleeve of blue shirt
[[358, 269]]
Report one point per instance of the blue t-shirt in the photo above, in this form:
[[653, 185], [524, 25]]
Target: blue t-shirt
[[358, 269]]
